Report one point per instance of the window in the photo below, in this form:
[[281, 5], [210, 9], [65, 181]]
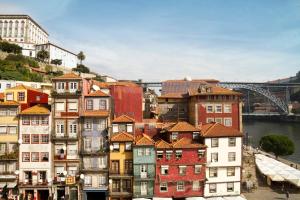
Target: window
[[60, 106], [231, 156], [35, 139], [230, 171], [116, 147], [218, 109], [2, 148], [209, 120], [227, 108], [163, 187], [140, 152], [180, 186], [169, 154], [115, 128], [178, 154], [214, 157], [128, 167], [174, 136], [44, 120], [126, 185], [60, 128], [212, 188], [209, 109], [164, 169], [114, 166], [214, 142], [12, 130], [227, 121], [159, 154], [34, 120], [102, 104], [89, 104], [44, 139], [88, 124], [197, 169], [213, 172], [60, 86], [230, 187], [3, 112], [196, 185], [9, 96], [12, 112], [25, 156], [72, 107], [129, 128], [128, 146], [73, 129], [196, 135], [44, 156], [72, 170], [231, 142], [21, 96], [182, 170], [87, 144], [219, 120], [26, 138], [73, 86], [26, 120], [102, 180], [35, 156], [88, 181], [72, 151]]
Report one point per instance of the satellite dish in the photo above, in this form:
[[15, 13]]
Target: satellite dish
[[96, 87]]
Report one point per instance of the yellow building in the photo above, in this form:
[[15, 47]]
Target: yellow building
[[121, 166], [8, 144]]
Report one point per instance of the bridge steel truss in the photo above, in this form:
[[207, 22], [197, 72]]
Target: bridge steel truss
[[258, 89]]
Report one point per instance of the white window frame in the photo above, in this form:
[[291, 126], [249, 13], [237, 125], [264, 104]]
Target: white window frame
[[231, 156], [180, 186], [208, 110], [164, 169], [163, 184], [217, 106], [209, 120], [228, 121], [196, 185], [129, 128], [227, 108]]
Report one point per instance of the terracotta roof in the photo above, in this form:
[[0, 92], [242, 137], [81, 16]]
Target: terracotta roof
[[1, 95], [182, 127], [161, 144], [187, 143], [23, 87], [9, 103], [95, 113], [123, 119], [144, 140], [219, 130], [100, 84], [97, 93], [122, 137], [67, 76], [36, 110], [213, 90], [172, 95]]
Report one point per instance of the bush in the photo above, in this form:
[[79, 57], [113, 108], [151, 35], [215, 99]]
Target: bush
[[22, 59], [81, 68], [10, 48]]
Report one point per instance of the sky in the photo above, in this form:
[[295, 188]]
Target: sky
[[154, 40]]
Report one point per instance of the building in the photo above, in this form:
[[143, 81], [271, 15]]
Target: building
[[121, 159], [68, 91], [224, 160], [180, 162], [35, 163], [69, 59], [26, 96], [149, 104], [24, 31], [144, 160], [95, 120], [9, 146]]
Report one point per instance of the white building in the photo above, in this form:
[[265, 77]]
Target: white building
[[68, 58], [35, 153], [224, 160], [24, 31]]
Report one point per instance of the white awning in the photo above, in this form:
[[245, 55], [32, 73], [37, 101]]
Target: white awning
[[277, 171]]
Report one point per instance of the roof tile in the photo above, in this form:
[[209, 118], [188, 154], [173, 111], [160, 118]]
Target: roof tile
[[36, 110], [219, 130], [144, 140], [183, 127], [123, 119], [67, 76], [97, 93], [122, 137]]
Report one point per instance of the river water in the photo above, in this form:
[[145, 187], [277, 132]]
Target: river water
[[257, 129]]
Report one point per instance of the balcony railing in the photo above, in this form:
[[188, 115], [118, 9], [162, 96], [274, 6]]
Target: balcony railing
[[64, 137], [66, 93], [9, 156], [100, 151]]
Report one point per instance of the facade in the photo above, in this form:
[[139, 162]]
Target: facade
[[66, 106], [224, 160], [45, 87], [26, 96], [180, 163], [94, 145], [35, 163], [9, 146], [24, 31], [68, 58], [121, 166], [143, 167]]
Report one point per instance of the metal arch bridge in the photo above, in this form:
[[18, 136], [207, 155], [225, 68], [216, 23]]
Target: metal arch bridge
[[260, 90]]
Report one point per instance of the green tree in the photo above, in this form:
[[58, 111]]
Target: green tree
[[56, 62], [42, 55], [10, 48], [81, 68], [280, 145], [81, 57]]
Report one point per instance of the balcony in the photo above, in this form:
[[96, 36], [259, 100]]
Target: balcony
[[60, 157], [9, 156], [57, 137], [65, 93], [94, 152]]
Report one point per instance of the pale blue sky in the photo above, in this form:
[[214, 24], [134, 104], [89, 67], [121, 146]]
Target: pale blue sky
[[249, 40]]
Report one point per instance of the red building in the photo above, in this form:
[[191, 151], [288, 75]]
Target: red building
[[180, 163]]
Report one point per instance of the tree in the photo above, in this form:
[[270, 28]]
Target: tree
[[42, 55], [81, 57], [56, 62], [81, 68], [280, 145]]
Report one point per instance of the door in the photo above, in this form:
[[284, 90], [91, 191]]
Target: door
[[144, 186]]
